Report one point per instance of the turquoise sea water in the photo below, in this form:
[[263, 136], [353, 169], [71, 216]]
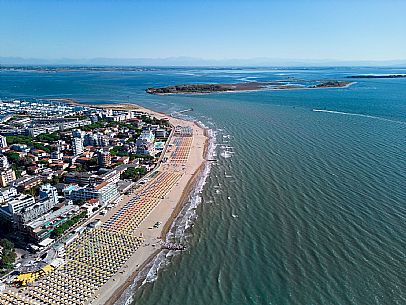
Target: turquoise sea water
[[302, 207]]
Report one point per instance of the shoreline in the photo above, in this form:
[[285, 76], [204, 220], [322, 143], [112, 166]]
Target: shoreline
[[168, 209], [181, 204], [165, 230]]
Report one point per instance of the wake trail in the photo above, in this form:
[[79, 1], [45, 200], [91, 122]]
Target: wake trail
[[360, 115]]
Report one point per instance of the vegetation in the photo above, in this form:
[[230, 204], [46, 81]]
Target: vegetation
[[17, 171], [42, 146], [34, 191], [19, 140], [153, 120], [53, 137], [86, 167], [99, 124], [78, 168], [68, 224], [33, 142], [191, 88], [133, 173], [18, 164], [42, 162], [8, 254], [12, 157], [79, 202], [118, 151], [55, 180]]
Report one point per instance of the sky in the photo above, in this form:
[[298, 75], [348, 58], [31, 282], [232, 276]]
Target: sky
[[214, 30]]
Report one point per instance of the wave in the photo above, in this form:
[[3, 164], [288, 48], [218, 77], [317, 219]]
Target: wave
[[360, 115], [178, 231]]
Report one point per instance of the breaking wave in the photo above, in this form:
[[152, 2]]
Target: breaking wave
[[179, 228]]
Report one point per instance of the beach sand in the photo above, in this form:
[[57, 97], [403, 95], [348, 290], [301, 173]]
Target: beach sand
[[165, 212]]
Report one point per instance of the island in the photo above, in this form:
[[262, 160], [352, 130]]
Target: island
[[378, 76], [246, 86]]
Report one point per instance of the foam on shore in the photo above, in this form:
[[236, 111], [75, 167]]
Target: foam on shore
[[179, 230]]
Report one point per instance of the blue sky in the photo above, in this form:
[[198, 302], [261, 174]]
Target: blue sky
[[328, 29]]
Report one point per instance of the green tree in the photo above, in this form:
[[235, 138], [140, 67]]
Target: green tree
[[134, 173], [8, 256], [19, 140], [58, 231], [53, 137]]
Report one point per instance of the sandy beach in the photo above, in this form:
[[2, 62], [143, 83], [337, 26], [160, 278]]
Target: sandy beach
[[165, 212]]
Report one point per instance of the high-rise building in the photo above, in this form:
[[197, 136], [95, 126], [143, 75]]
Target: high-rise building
[[145, 143], [90, 139], [4, 162], [3, 141], [7, 175], [104, 158], [77, 141], [105, 192], [77, 146]]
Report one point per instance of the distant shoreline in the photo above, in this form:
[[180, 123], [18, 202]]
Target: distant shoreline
[[242, 87], [378, 76]]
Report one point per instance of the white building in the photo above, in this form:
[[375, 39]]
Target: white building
[[48, 192], [77, 141], [161, 133], [145, 143], [7, 174], [3, 141], [14, 204], [105, 192], [7, 193], [21, 208], [77, 146], [4, 162]]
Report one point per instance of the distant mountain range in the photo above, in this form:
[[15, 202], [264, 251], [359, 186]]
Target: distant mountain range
[[191, 61]]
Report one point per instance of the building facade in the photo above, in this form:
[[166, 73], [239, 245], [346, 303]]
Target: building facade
[[105, 192], [3, 141], [104, 158]]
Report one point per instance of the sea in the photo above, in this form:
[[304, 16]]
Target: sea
[[306, 201]]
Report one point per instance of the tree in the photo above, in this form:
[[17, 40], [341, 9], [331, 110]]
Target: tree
[[13, 157], [134, 173], [19, 140], [43, 147], [58, 231], [8, 256], [53, 137]]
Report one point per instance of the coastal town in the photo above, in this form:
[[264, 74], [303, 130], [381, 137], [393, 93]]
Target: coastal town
[[84, 191]]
